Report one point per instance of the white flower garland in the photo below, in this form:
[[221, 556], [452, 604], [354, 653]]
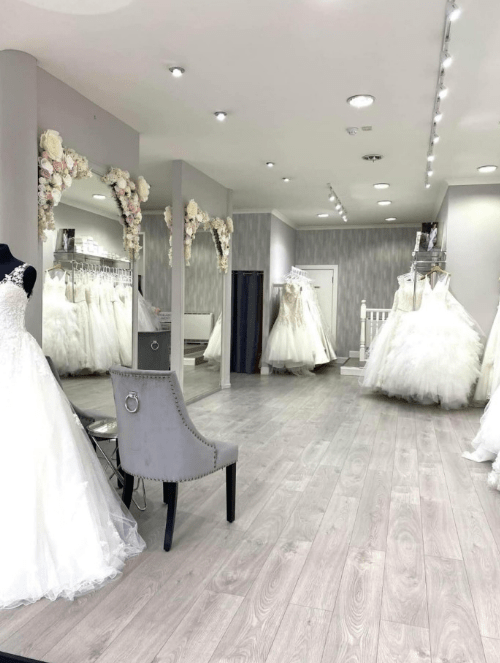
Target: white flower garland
[[129, 197], [194, 216], [57, 168]]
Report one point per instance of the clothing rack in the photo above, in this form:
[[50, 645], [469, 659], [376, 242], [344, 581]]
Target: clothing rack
[[414, 269]]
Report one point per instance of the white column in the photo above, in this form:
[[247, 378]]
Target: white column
[[177, 350], [225, 376], [19, 169]]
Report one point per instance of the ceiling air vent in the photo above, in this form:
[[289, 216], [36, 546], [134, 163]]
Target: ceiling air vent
[[367, 128], [352, 131], [372, 157]]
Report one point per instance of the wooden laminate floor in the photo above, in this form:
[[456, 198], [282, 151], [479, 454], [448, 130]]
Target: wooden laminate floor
[[361, 536]]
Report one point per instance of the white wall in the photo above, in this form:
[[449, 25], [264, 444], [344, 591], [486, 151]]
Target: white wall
[[473, 249]]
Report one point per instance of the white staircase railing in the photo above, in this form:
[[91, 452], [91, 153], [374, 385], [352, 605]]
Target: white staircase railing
[[372, 320]]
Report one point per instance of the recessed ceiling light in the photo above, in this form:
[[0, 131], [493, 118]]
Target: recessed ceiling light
[[487, 169], [361, 100], [270, 164], [220, 115], [99, 196], [455, 12], [430, 157], [381, 185], [384, 202], [176, 72], [391, 218], [443, 92], [438, 117], [322, 216], [286, 179], [447, 60]]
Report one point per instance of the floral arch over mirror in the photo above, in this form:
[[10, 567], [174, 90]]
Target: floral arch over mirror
[[58, 166], [194, 217]]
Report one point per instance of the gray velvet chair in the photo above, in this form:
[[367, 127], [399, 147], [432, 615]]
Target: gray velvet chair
[[158, 440]]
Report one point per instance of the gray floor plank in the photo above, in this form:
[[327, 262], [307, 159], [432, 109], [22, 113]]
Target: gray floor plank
[[301, 636], [400, 643]]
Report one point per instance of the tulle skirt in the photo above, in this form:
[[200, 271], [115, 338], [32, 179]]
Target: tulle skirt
[[375, 367], [214, 347], [61, 334], [487, 441], [489, 379], [289, 346], [435, 356], [66, 533]]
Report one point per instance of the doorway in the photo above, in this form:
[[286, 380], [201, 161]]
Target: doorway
[[325, 279]]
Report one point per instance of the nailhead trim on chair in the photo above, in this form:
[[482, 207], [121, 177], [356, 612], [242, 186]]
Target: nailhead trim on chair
[[139, 476], [193, 432]]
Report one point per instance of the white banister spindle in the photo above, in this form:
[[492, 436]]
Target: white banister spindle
[[362, 339]]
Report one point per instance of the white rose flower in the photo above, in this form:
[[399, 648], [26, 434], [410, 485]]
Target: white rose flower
[[142, 189], [189, 231], [230, 225], [192, 209], [121, 183], [128, 190], [168, 216], [51, 142], [43, 180], [138, 217], [69, 161], [56, 196], [67, 180], [46, 165], [56, 179]]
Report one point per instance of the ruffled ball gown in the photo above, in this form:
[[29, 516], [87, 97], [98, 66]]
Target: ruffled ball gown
[[100, 344], [376, 365], [148, 320], [123, 321], [61, 333], [486, 444], [489, 379], [435, 357], [67, 533], [323, 347]]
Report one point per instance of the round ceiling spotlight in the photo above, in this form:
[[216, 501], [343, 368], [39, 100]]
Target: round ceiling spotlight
[[384, 202], [381, 185], [372, 157], [487, 169], [430, 173], [99, 196], [430, 157], [322, 216], [332, 198], [338, 206], [361, 100], [286, 179], [391, 218], [427, 185], [435, 139], [177, 72], [220, 115], [270, 164], [455, 12], [438, 117]]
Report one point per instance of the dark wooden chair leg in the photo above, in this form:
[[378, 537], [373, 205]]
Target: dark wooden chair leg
[[119, 467], [170, 499], [231, 492], [128, 489]]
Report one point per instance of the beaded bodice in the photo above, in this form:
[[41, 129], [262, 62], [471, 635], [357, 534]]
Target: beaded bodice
[[404, 300], [291, 308], [13, 302]]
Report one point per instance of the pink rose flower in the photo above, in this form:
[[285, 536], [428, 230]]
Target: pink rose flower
[[57, 166]]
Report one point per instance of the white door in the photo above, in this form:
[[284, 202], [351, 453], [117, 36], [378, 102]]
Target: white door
[[325, 284]]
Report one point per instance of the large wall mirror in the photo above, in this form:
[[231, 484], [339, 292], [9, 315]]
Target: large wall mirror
[[203, 291], [87, 291]]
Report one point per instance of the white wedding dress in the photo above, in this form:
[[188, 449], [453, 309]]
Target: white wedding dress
[[489, 379], [435, 357], [213, 352], [66, 533], [487, 442], [376, 366]]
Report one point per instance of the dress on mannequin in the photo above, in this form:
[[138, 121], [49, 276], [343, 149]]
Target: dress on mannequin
[[68, 533], [489, 379]]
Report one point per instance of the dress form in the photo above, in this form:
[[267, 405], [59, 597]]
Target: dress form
[[8, 263]]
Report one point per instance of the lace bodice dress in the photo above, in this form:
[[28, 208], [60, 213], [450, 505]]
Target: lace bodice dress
[[68, 533]]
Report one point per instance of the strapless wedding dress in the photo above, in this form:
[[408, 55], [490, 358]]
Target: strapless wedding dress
[[66, 533]]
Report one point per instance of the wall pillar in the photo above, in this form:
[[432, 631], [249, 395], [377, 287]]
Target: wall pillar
[[19, 170]]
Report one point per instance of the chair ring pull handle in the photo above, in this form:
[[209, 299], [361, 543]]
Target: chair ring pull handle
[[155, 345], [133, 396]]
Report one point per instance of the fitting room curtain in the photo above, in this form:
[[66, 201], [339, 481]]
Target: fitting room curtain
[[247, 306]]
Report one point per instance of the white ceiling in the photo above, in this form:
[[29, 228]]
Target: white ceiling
[[283, 69]]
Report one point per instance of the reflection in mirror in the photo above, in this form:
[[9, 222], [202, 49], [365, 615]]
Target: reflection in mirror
[[87, 293], [202, 319]]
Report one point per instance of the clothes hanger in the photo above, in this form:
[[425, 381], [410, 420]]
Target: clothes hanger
[[437, 268]]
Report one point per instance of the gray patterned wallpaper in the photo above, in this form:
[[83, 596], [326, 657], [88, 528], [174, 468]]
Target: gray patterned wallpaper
[[369, 261], [158, 283], [203, 284], [283, 250]]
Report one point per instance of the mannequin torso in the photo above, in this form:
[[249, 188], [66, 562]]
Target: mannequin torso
[[8, 263]]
